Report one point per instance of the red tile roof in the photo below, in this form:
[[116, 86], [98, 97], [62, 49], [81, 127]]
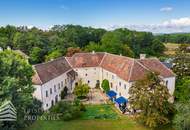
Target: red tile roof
[[156, 66], [126, 68], [86, 59], [119, 65], [50, 70]]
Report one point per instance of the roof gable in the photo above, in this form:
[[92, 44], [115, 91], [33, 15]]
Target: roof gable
[[156, 66], [50, 70]]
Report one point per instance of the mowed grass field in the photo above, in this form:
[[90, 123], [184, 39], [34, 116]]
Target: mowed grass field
[[88, 121], [116, 121], [171, 48]]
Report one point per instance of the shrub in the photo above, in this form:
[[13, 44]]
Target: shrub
[[82, 107], [77, 102], [67, 116], [66, 110], [105, 85]]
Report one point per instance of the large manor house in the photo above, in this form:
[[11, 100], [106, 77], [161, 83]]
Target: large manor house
[[51, 77]]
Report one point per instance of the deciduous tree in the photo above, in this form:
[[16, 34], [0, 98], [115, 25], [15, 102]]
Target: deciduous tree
[[16, 85], [151, 97]]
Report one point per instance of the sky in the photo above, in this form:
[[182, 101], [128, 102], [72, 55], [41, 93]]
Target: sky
[[157, 16]]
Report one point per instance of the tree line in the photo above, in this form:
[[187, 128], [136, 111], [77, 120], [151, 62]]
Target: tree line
[[43, 45], [175, 38]]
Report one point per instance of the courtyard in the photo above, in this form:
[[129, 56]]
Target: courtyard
[[95, 96]]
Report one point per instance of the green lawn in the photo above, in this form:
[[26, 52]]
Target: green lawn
[[99, 111], [116, 121]]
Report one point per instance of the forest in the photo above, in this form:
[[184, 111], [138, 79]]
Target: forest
[[60, 40], [175, 38]]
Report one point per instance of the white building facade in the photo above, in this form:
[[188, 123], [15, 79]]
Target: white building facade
[[51, 78]]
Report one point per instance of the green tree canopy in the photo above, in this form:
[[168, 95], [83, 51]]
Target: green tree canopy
[[182, 62], [81, 90], [151, 97], [105, 85], [182, 89], [181, 119], [53, 55], [16, 84], [36, 55]]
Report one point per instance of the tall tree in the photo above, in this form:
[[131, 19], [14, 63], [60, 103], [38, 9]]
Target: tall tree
[[36, 55], [16, 85], [151, 97], [182, 62], [52, 55], [71, 51]]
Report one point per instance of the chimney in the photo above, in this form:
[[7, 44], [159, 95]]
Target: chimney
[[142, 56]]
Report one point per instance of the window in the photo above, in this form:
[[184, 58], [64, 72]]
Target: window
[[116, 88], [111, 85], [119, 94], [46, 93], [65, 81], [119, 83], [86, 74], [55, 88], [86, 69], [47, 105], [125, 86], [94, 68], [59, 85], [107, 74], [166, 82], [88, 81], [112, 76], [50, 90]]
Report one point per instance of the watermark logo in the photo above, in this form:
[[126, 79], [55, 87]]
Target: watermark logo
[[8, 112]]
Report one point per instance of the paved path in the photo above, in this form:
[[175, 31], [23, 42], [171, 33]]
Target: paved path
[[95, 96]]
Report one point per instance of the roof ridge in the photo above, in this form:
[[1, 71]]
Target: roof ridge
[[166, 67], [131, 70], [121, 56], [142, 65], [43, 63], [105, 53], [87, 53], [68, 62]]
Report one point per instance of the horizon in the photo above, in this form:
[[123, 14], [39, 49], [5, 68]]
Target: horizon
[[161, 16]]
